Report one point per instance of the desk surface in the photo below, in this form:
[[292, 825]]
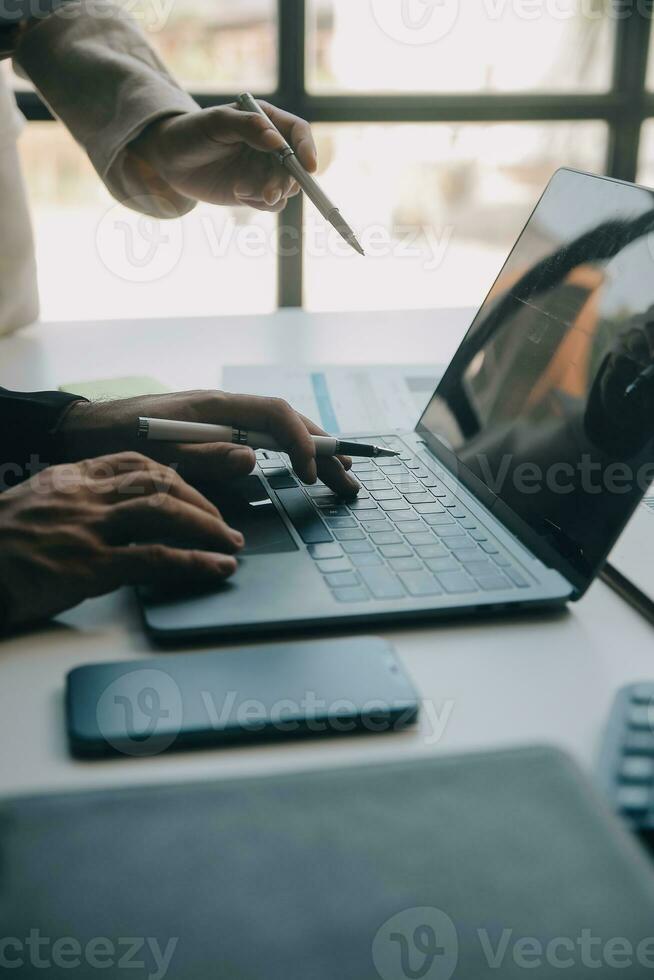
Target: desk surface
[[522, 680]]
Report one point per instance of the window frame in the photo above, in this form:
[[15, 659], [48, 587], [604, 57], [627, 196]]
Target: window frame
[[624, 108]]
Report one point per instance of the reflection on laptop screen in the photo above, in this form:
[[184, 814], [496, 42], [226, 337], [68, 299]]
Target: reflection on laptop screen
[[550, 399]]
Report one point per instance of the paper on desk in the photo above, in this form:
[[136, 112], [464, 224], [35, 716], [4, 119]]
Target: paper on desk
[[111, 388], [345, 399]]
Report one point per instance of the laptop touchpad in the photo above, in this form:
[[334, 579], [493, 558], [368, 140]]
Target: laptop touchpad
[[246, 506]]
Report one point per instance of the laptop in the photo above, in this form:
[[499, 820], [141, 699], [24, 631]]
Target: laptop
[[531, 457], [630, 570]]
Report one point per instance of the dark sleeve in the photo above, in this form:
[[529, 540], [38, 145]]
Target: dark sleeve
[[28, 421]]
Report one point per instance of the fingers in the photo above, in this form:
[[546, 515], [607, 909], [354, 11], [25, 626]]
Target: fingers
[[228, 125], [276, 417], [333, 470], [216, 462], [165, 480], [130, 474], [298, 133], [164, 518], [157, 564]]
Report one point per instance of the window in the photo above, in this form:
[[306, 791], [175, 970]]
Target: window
[[438, 124]]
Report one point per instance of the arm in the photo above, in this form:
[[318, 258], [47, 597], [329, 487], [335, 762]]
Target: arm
[[152, 145], [29, 424]]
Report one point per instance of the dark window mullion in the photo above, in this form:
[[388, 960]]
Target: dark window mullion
[[292, 35], [630, 80]]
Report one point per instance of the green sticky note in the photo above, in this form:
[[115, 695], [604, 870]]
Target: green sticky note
[[113, 388]]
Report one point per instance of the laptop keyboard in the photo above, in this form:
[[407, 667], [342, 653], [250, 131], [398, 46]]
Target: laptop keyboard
[[628, 757], [406, 536]]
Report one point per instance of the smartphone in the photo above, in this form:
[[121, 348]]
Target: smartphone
[[285, 690]]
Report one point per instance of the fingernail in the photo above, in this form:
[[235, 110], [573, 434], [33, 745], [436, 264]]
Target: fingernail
[[242, 458], [243, 190], [238, 539], [274, 199], [226, 565]]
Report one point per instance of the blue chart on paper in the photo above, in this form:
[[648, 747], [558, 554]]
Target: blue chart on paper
[[328, 418]]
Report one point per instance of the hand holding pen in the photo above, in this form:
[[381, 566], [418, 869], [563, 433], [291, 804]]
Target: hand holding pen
[[288, 159]]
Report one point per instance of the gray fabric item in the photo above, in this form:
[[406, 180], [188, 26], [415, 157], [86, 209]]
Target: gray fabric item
[[292, 876]]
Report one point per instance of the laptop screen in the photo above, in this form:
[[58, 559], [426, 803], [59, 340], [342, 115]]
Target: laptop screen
[[547, 409]]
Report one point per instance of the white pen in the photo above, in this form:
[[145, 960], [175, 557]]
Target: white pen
[[311, 188], [165, 430]]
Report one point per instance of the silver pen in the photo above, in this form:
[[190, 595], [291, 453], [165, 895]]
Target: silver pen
[[167, 430], [310, 187]]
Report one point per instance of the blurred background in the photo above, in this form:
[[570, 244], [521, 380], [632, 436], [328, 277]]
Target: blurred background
[[436, 149]]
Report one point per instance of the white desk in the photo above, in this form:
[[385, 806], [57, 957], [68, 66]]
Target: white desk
[[516, 681]]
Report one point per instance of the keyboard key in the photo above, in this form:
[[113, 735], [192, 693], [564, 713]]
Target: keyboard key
[[405, 564], [320, 551], [386, 537], [421, 473], [396, 551], [331, 510], [465, 554], [339, 579], [637, 769], [367, 559], [433, 508], [391, 505], [457, 512], [493, 583], [434, 550], [501, 560], [349, 534], [320, 490], [414, 464], [410, 527], [456, 582], [640, 717], [642, 693], [442, 565], [429, 481], [376, 485], [366, 516], [303, 517], [357, 547], [376, 527], [360, 504], [477, 535], [420, 584], [420, 498], [385, 495], [482, 567], [282, 482], [489, 547], [441, 520], [401, 515], [517, 578], [401, 476], [633, 799], [340, 522], [639, 743], [361, 465], [351, 595], [334, 565], [421, 537], [382, 583], [453, 537], [389, 464]]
